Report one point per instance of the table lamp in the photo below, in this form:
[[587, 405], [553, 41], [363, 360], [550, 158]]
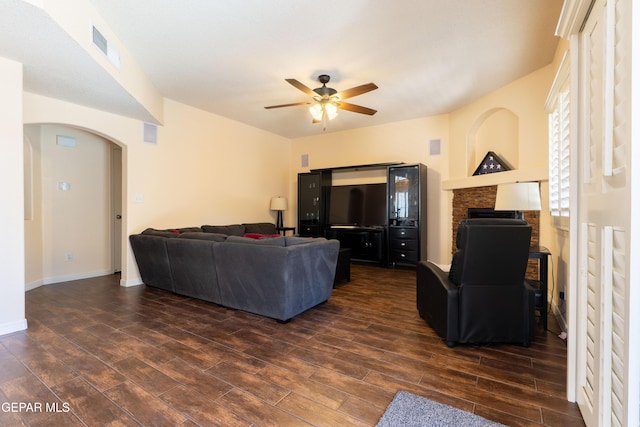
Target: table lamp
[[278, 204], [518, 197]]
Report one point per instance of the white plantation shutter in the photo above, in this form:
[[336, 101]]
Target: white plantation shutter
[[618, 323], [604, 244], [608, 388], [620, 88], [554, 162], [558, 105], [617, 394], [591, 271], [564, 169]]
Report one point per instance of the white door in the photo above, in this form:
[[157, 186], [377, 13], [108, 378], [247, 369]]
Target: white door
[[116, 208], [605, 365]]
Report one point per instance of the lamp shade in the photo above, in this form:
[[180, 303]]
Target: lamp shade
[[518, 196], [278, 203]]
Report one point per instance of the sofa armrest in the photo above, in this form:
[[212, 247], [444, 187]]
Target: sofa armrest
[[275, 281], [437, 300], [150, 252], [312, 269]]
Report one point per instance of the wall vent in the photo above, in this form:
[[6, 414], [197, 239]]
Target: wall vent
[[65, 141], [105, 47], [100, 41], [150, 133]]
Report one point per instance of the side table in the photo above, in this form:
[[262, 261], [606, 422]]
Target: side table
[[541, 285], [283, 230]]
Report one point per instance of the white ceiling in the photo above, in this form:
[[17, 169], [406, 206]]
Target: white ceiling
[[427, 57]]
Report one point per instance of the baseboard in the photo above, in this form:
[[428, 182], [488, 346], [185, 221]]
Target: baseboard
[[10, 327], [559, 318], [78, 276], [59, 279], [33, 285], [136, 281]]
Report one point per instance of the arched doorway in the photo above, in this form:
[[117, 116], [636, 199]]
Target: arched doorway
[[73, 187]]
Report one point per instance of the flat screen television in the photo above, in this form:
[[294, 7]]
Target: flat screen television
[[362, 205]]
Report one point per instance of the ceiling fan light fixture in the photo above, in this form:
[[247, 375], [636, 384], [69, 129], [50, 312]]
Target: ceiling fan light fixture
[[323, 109], [331, 109], [316, 111], [326, 101]]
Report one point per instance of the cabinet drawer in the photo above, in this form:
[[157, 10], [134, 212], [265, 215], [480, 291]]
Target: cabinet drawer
[[404, 256], [403, 233], [404, 244]]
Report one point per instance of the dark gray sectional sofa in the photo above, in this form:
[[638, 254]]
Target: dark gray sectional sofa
[[278, 277]]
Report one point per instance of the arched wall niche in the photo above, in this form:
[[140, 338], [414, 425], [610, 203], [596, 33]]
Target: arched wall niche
[[494, 130]]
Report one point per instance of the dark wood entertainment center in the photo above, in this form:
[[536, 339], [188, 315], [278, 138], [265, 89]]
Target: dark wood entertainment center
[[399, 236]]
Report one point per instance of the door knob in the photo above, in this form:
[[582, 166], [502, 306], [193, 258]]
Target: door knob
[[118, 216]]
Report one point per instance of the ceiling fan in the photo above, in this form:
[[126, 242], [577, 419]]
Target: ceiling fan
[[326, 100]]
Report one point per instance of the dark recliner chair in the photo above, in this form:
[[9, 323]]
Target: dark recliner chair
[[484, 298]]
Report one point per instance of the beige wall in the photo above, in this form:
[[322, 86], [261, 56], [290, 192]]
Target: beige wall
[[203, 169], [524, 98], [12, 311], [406, 141]]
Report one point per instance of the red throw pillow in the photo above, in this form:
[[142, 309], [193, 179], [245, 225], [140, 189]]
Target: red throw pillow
[[260, 235]]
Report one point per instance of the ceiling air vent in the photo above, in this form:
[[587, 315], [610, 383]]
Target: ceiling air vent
[[99, 40], [105, 47]]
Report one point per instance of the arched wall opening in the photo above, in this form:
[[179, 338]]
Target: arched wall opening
[[73, 192]]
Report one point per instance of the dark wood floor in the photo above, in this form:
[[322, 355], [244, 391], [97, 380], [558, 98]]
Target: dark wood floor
[[102, 355]]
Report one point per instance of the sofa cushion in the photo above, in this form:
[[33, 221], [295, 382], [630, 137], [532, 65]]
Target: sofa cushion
[[260, 228], [295, 240], [276, 241], [188, 229], [229, 230], [160, 233], [260, 235], [201, 235]]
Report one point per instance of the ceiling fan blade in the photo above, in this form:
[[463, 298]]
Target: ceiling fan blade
[[355, 108], [287, 105], [358, 90], [302, 87]]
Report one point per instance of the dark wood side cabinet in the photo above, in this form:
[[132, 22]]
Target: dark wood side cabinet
[[407, 204], [313, 202]]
